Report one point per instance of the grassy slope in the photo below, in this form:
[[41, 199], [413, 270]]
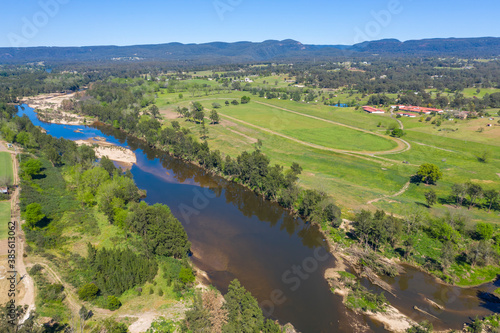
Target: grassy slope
[[348, 116], [469, 92], [459, 165], [353, 181], [5, 165], [73, 233], [5, 170], [308, 129], [4, 218]]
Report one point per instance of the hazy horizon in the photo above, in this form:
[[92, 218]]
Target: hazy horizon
[[240, 41], [66, 23]]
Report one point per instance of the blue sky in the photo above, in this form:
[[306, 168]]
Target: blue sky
[[127, 22]]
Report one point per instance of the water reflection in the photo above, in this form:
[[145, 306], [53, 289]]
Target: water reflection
[[237, 234]]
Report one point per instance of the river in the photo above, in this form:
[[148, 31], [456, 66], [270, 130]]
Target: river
[[280, 259]]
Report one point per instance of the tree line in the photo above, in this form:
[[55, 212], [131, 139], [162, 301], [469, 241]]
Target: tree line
[[252, 169], [459, 241]]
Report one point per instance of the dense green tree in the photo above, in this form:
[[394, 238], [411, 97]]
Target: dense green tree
[[310, 198], [484, 230], [186, 275], [113, 303], [115, 271], [474, 192], [52, 155], [155, 111], [459, 191], [163, 233], [175, 125], [31, 167], [244, 314], [429, 173], [492, 197], [26, 140], [88, 292], [33, 215], [362, 225], [108, 165], [430, 197], [397, 132], [214, 117]]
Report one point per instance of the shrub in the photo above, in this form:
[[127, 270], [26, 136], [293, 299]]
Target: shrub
[[37, 268], [88, 292], [113, 303], [186, 275]]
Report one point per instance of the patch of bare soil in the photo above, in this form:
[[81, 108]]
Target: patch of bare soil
[[169, 114], [143, 321], [47, 101]]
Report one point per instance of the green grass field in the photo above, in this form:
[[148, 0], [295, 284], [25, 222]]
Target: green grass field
[[469, 92], [348, 116], [6, 165], [308, 129], [4, 218], [352, 181]]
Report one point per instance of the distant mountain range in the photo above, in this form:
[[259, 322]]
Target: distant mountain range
[[270, 50]]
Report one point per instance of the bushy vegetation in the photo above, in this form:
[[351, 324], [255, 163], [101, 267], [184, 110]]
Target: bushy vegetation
[[64, 189], [460, 246], [119, 103], [448, 246], [115, 271], [359, 297], [239, 312]]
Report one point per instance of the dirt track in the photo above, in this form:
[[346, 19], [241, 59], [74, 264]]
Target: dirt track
[[27, 288], [403, 190], [402, 145]]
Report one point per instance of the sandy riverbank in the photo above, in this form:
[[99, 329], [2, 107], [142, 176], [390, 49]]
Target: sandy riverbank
[[49, 110], [392, 319], [47, 101], [115, 153]]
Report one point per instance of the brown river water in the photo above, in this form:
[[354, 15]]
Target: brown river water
[[281, 260]]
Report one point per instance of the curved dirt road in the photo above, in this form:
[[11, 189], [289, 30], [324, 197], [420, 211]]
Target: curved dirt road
[[402, 145]]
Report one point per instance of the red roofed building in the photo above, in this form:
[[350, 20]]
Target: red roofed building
[[369, 109], [419, 109], [410, 115]]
